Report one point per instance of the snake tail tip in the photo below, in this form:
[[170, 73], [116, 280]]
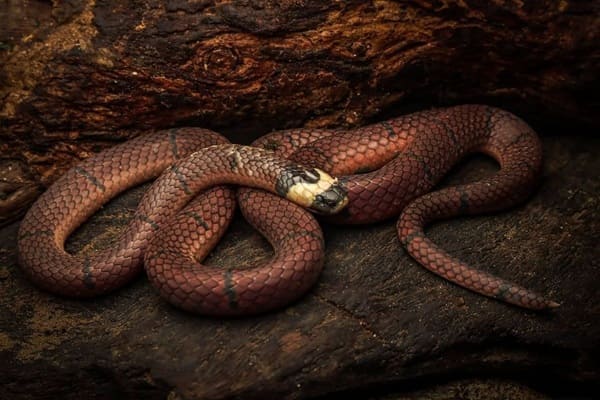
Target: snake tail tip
[[553, 304]]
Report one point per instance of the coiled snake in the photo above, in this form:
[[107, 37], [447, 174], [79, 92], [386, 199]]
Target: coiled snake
[[172, 230]]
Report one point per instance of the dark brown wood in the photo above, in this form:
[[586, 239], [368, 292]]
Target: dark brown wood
[[375, 324], [78, 75]]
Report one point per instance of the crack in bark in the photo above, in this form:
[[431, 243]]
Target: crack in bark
[[364, 325]]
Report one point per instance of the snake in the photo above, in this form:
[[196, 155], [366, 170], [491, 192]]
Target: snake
[[373, 173], [206, 160]]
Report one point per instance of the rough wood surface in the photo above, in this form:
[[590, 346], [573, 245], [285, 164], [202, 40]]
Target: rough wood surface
[[77, 75], [376, 325]]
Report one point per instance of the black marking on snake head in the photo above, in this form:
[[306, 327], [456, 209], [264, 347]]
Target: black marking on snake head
[[230, 290], [173, 142], [390, 129], [197, 218], [88, 279], [330, 199], [310, 175], [293, 174], [91, 178]]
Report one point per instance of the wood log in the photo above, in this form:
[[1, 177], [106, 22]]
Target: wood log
[[76, 76]]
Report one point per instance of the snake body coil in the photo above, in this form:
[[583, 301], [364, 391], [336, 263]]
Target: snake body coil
[[83, 189], [407, 156]]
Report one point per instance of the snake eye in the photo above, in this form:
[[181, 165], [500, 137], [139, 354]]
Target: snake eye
[[311, 176]]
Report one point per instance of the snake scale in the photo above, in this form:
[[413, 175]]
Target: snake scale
[[385, 170]]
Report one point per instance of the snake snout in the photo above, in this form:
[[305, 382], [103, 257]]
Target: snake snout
[[330, 201]]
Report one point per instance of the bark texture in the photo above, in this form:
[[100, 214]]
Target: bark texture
[[376, 325], [78, 75]]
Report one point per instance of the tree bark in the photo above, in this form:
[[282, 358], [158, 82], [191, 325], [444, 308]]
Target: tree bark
[[79, 75]]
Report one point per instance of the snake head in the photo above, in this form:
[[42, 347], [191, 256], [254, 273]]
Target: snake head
[[313, 189]]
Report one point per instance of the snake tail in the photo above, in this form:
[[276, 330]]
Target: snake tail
[[518, 151]]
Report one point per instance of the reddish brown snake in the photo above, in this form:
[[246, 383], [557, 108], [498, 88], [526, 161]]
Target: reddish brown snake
[[407, 155]]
